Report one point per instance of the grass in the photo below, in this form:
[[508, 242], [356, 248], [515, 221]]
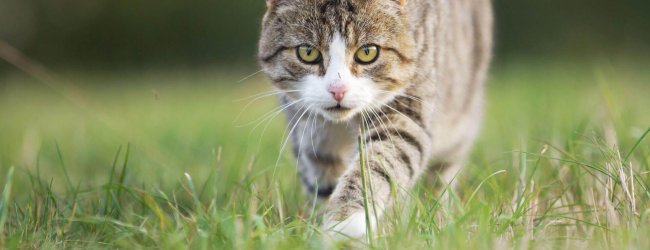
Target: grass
[[164, 160]]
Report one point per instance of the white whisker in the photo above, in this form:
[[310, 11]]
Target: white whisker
[[249, 76], [257, 98], [407, 117], [384, 126], [412, 97], [311, 133], [284, 144], [273, 112], [302, 136], [271, 119], [266, 93]]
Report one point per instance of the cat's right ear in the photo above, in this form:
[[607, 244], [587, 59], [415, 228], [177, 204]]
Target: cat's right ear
[[400, 2], [274, 4]]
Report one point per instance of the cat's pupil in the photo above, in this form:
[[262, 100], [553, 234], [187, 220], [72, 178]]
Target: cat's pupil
[[367, 50], [308, 50]]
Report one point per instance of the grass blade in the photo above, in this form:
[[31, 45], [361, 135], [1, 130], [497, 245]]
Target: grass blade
[[638, 142], [469, 200], [4, 203], [65, 170], [121, 179], [364, 183], [109, 186]]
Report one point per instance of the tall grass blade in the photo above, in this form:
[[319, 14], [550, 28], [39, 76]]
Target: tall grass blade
[[4, 203], [122, 179], [471, 197], [638, 142], [109, 186], [65, 170], [364, 183], [192, 192]]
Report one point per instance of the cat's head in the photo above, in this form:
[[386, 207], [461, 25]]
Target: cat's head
[[337, 57]]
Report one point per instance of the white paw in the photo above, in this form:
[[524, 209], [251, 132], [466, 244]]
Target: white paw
[[352, 227]]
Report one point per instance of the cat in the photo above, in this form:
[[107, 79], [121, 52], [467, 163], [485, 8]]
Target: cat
[[410, 72]]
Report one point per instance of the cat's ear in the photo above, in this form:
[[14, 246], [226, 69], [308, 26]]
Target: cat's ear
[[272, 3], [400, 2]]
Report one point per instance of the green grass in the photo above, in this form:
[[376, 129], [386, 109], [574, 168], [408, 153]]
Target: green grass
[[163, 160]]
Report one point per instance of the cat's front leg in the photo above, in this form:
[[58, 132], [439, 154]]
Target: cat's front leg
[[323, 150], [394, 157]]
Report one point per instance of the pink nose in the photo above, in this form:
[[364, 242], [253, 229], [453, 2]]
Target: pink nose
[[338, 90]]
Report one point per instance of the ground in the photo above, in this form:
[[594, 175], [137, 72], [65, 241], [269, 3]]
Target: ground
[[177, 159]]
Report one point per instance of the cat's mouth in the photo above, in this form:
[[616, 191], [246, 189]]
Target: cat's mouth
[[338, 108], [338, 113]]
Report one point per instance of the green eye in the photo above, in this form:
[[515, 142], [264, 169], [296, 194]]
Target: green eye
[[308, 54], [367, 54]]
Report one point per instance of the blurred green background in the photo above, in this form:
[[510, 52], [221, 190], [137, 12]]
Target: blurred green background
[[138, 34]]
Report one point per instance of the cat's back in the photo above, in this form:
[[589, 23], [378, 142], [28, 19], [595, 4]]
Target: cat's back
[[461, 29], [454, 39]]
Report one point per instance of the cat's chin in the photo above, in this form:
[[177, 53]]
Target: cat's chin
[[338, 114]]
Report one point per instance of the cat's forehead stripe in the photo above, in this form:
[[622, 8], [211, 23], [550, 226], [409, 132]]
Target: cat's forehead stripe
[[337, 46], [337, 64]]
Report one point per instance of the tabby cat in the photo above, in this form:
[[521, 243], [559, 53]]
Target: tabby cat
[[410, 72]]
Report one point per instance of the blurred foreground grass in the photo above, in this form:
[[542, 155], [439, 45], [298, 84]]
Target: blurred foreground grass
[[100, 161]]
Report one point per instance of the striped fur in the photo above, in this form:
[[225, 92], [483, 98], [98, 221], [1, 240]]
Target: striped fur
[[426, 92]]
